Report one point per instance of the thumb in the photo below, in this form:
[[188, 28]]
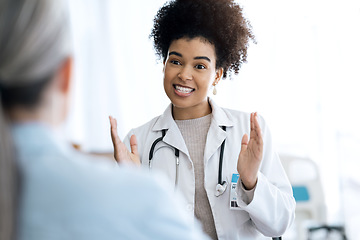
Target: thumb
[[244, 143], [134, 145]]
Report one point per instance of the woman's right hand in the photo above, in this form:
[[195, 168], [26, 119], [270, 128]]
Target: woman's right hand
[[121, 153]]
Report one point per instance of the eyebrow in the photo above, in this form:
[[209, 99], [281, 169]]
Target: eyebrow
[[205, 58], [199, 57]]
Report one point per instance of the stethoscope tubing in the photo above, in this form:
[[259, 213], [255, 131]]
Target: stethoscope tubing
[[151, 153], [221, 184], [221, 159]]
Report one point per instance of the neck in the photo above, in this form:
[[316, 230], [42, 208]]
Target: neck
[[193, 112], [21, 114], [38, 114], [51, 110]]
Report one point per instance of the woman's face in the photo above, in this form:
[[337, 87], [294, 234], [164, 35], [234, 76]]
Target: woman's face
[[189, 72]]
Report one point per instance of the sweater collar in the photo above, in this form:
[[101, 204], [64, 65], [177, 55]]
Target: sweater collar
[[220, 117]]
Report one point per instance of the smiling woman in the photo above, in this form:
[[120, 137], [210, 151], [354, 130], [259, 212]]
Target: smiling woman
[[189, 72], [211, 145], [301, 76]]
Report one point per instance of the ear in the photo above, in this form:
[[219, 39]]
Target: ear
[[164, 62], [64, 75], [218, 75]]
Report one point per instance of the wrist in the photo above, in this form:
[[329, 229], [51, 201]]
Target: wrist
[[249, 185]]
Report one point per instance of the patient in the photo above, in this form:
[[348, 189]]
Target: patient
[[47, 189]]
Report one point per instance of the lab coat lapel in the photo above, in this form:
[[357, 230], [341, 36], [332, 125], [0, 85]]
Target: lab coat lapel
[[173, 135], [216, 134], [214, 139]]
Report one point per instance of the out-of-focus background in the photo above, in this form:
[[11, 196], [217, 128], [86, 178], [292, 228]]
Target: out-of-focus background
[[302, 76]]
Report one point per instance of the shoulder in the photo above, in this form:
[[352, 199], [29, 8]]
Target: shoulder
[[146, 127], [229, 117], [235, 114], [242, 117], [163, 121], [142, 132], [87, 192], [76, 178]]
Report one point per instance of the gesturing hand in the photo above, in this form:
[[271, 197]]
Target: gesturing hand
[[251, 154], [121, 153]]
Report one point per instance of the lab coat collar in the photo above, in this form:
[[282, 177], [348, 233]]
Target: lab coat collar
[[216, 133], [220, 117], [173, 135], [165, 121]]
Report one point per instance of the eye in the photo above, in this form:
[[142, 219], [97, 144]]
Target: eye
[[176, 62], [200, 66]]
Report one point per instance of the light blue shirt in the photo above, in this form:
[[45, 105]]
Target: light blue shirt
[[68, 195]]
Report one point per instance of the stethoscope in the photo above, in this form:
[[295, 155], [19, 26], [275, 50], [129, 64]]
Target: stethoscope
[[220, 187]]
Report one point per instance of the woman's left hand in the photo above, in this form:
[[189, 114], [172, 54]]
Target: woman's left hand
[[251, 154]]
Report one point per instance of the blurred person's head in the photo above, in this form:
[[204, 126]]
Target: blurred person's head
[[35, 68]]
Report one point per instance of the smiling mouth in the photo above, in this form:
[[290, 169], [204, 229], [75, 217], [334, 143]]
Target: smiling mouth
[[182, 89]]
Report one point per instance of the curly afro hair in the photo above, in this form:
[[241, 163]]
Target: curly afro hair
[[221, 22]]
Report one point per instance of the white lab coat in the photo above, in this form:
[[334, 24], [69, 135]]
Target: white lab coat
[[270, 212]]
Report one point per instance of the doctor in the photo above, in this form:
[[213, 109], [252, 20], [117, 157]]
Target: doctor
[[221, 160]]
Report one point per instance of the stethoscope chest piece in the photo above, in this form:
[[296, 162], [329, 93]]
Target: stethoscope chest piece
[[220, 188]]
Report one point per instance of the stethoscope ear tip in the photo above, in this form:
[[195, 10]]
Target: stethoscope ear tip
[[220, 188]]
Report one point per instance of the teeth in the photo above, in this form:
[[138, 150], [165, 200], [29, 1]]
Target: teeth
[[183, 89]]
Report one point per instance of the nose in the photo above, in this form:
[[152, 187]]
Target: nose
[[185, 74]]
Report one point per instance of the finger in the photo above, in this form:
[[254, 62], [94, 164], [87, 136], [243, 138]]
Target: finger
[[244, 143], [133, 145], [253, 121], [257, 126], [113, 123], [115, 138], [252, 126], [113, 129]]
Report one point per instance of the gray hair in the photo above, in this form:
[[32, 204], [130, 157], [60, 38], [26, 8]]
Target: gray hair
[[34, 41]]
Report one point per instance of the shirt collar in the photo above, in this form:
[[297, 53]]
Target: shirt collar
[[220, 117]]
